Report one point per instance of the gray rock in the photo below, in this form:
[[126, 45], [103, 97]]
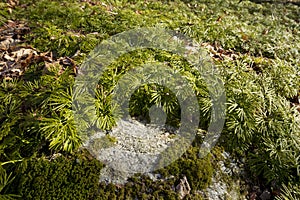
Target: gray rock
[[220, 189], [265, 195], [137, 150], [183, 188]]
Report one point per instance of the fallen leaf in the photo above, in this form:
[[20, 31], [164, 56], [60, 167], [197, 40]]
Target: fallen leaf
[[7, 57]]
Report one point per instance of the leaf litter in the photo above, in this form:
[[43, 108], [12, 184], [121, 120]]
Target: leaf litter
[[16, 56]]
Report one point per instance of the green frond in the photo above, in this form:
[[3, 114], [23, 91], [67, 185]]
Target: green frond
[[5, 180], [289, 192], [60, 130]]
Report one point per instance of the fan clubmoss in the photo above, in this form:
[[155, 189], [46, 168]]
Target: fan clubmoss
[[261, 81]]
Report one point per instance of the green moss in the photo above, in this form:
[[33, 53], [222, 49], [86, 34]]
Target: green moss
[[74, 177], [197, 170], [140, 187]]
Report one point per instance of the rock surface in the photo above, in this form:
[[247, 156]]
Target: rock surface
[[183, 188], [225, 183], [136, 147], [136, 150]]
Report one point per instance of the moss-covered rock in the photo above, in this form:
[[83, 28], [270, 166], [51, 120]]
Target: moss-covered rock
[[65, 177]]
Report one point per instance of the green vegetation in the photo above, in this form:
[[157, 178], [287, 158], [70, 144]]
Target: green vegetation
[[255, 46], [74, 177], [290, 192]]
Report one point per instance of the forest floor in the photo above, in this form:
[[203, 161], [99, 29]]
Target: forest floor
[[44, 43]]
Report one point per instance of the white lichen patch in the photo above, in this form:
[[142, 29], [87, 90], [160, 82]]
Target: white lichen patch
[[137, 149]]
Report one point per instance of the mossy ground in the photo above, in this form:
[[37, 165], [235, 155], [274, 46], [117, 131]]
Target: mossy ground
[[260, 84]]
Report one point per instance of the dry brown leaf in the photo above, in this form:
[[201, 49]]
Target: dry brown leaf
[[219, 53], [15, 59], [13, 3], [15, 70], [7, 43], [9, 10], [7, 57], [23, 53], [25, 63]]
